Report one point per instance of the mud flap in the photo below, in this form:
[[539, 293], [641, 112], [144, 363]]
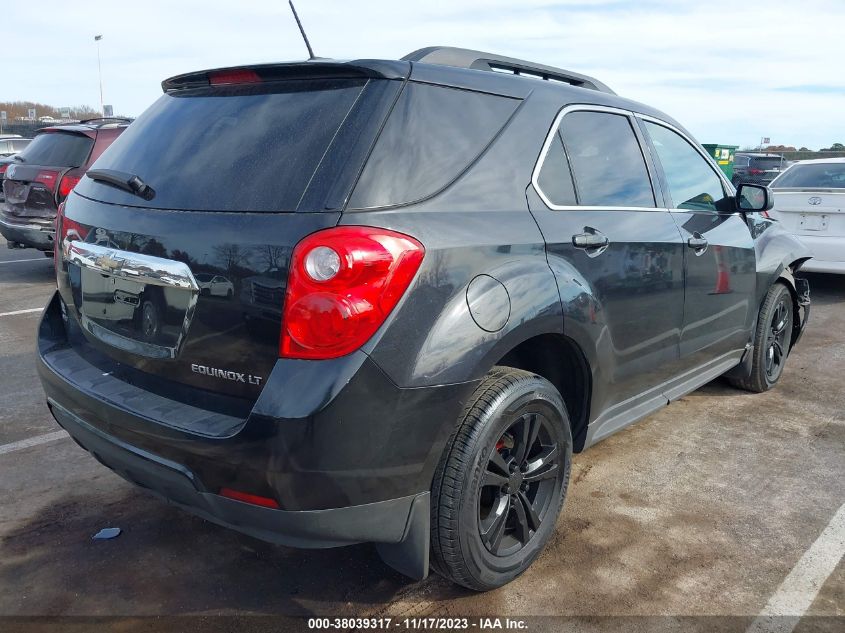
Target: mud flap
[[410, 555]]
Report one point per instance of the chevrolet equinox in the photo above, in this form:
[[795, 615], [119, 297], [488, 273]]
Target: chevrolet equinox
[[448, 273]]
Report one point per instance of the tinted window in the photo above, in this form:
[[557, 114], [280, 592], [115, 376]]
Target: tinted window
[[58, 149], [692, 182], [606, 159], [555, 179], [766, 163], [433, 134], [230, 148], [813, 176]]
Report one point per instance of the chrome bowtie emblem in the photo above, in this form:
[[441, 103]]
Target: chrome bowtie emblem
[[108, 262], [814, 201]]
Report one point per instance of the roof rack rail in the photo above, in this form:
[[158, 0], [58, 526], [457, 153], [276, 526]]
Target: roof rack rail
[[108, 118], [466, 58]]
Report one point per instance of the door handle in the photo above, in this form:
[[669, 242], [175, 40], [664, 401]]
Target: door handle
[[697, 242], [590, 240]]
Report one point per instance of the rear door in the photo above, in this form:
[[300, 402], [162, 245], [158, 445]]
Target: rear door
[[600, 217], [719, 256], [239, 174]]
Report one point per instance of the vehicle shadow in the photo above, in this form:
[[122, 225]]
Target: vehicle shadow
[[168, 562], [826, 288]]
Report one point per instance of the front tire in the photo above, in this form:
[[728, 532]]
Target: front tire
[[501, 482], [772, 341]]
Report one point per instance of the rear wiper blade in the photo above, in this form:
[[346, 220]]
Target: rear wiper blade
[[122, 180], [18, 158]]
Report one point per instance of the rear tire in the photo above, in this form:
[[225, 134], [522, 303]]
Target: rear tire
[[501, 481], [772, 340]]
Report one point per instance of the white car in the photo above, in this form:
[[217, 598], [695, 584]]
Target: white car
[[810, 203], [215, 285]]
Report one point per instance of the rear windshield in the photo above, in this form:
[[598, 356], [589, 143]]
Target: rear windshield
[[766, 163], [57, 149], [813, 176], [235, 148]]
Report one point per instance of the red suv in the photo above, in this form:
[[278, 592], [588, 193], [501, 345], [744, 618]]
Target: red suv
[[38, 179]]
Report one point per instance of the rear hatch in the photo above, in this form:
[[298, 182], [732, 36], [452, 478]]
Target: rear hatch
[[764, 168], [33, 177], [186, 282], [810, 202]]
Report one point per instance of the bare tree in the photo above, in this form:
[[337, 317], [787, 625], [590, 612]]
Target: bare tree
[[230, 256], [272, 256]]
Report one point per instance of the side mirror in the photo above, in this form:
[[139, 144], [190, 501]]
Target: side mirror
[[754, 197]]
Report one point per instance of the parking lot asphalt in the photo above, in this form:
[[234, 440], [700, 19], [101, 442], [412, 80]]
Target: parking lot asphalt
[[706, 508]]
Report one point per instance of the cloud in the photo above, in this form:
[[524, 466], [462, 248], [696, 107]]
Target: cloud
[[717, 66], [814, 89]]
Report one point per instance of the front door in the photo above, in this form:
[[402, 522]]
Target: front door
[[617, 257], [719, 257]]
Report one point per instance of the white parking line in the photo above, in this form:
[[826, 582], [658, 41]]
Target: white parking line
[[800, 588], [28, 311], [33, 441], [18, 261]]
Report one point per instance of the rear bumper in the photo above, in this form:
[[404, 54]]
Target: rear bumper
[[348, 455], [828, 253], [382, 522], [821, 266], [31, 234]]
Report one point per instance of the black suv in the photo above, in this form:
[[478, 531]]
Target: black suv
[[38, 179], [759, 169], [448, 273]]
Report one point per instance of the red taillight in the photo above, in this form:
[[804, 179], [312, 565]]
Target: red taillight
[[3, 168], [246, 497], [241, 76], [65, 229], [48, 178], [755, 172], [57, 242], [66, 185], [342, 285]]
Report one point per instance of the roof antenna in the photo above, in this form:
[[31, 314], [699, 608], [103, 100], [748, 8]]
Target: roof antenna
[[301, 30]]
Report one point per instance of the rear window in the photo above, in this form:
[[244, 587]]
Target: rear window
[[234, 148], [433, 134], [766, 163], [607, 163], [57, 149], [813, 176]]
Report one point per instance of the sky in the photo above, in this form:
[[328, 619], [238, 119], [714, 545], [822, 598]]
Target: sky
[[732, 72]]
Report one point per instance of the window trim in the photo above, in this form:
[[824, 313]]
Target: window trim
[[727, 186], [656, 186]]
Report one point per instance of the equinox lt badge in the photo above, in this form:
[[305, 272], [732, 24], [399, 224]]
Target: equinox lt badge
[[234, 376]]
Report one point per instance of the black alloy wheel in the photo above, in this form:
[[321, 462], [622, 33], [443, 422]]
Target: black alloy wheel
[[777, 341], [501, 481], [772, 341], [518, 484]]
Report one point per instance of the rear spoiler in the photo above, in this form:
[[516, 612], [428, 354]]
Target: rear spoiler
[[312, 69]]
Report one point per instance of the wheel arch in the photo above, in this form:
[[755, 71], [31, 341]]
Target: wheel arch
[[787, 278], [560, 360]]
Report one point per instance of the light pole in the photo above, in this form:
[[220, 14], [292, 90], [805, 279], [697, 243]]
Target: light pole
[[97, 39]]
